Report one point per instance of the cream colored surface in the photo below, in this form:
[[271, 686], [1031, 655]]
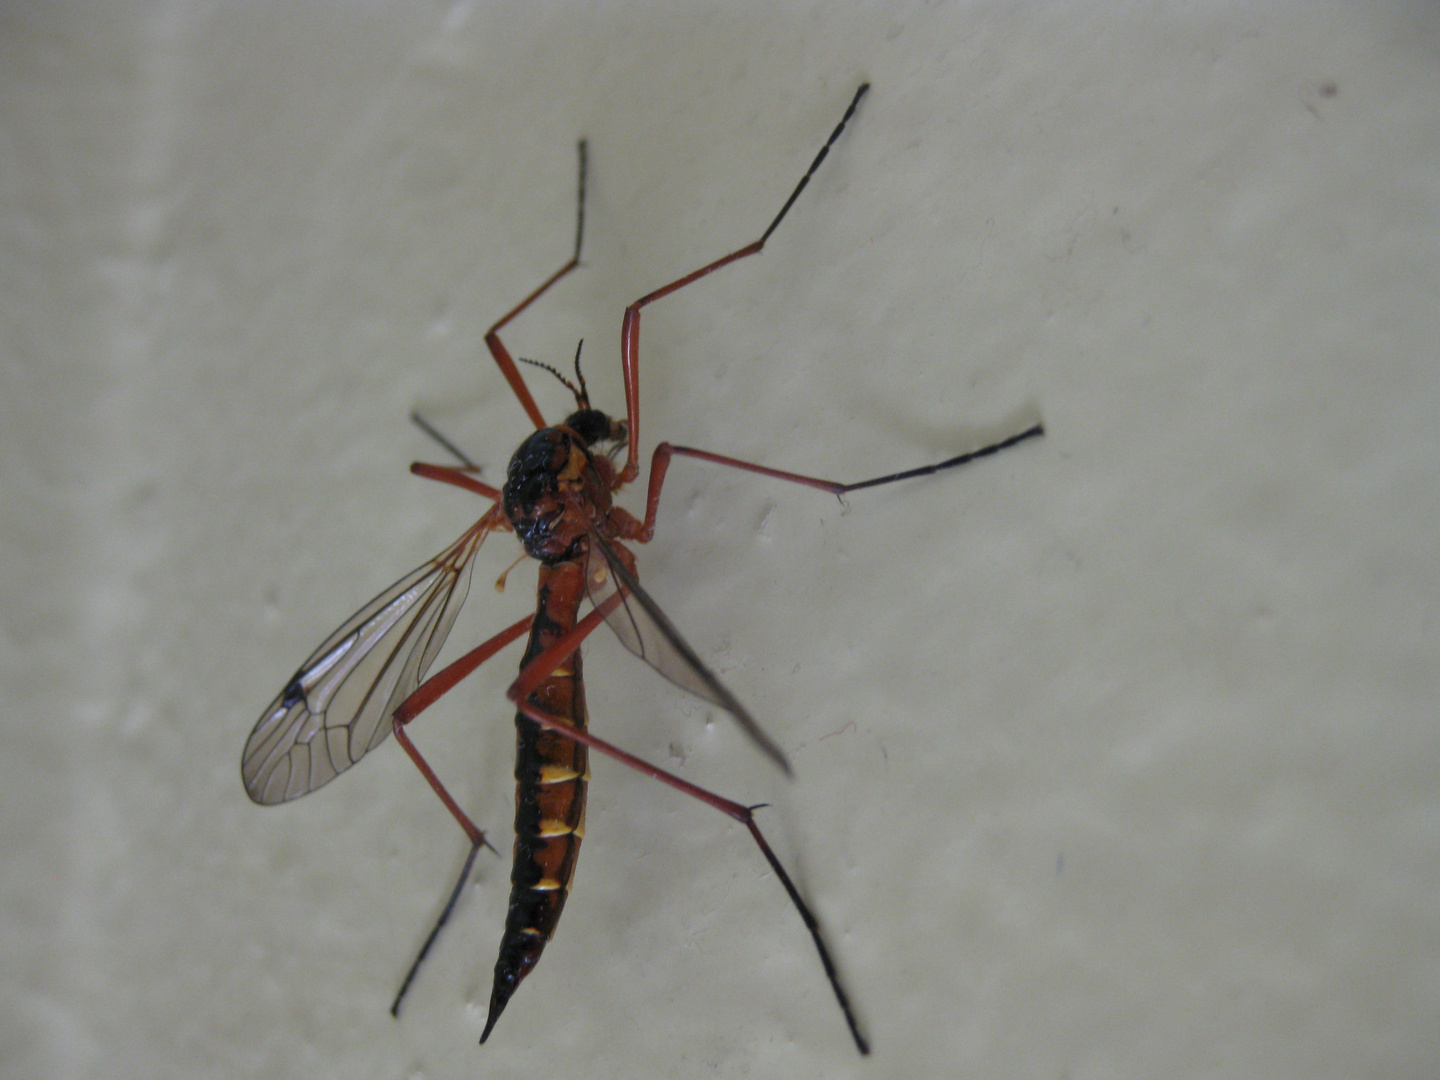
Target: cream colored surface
[[1116, 756]]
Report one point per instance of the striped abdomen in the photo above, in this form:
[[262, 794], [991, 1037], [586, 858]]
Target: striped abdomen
[[550, 776]]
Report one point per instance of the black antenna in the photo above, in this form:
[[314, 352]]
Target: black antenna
[[582, 395]]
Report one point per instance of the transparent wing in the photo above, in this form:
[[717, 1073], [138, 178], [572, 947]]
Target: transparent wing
[[648, 633], [337, 707]]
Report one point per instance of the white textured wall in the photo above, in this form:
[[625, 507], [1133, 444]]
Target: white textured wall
[[1115, 756]]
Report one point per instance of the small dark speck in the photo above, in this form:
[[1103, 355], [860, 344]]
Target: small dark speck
[[1327, 89]]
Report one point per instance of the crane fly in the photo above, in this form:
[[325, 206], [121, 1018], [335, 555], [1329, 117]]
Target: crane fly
[[368, 679]]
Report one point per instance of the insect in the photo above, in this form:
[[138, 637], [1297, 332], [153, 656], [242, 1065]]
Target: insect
[[368, 679]]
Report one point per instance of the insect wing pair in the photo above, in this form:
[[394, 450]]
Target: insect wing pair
[[338, 706]]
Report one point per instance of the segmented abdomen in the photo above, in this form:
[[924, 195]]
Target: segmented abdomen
[[550, 777]]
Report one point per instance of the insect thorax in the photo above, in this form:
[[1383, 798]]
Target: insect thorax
[[556, 491]]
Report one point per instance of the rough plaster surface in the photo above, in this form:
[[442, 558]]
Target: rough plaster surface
[[1115, 756]]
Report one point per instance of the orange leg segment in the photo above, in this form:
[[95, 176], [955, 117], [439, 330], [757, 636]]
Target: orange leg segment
[[430, 691], [630, 326], [425, 695], [502, 356], [660, 465], [461, 478]]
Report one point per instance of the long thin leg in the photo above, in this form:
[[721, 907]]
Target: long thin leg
[[660, 464], [434, 433], [425, 695], [630, 327], [544, 664], [492, 336], [461, 478], [435, 930], [430, 691]]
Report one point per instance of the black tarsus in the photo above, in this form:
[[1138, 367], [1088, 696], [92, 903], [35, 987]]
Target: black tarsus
[[449, 447], [812, 924], [581, 148], [580, 215], [949, 463], [804, 180], [439, 923]]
